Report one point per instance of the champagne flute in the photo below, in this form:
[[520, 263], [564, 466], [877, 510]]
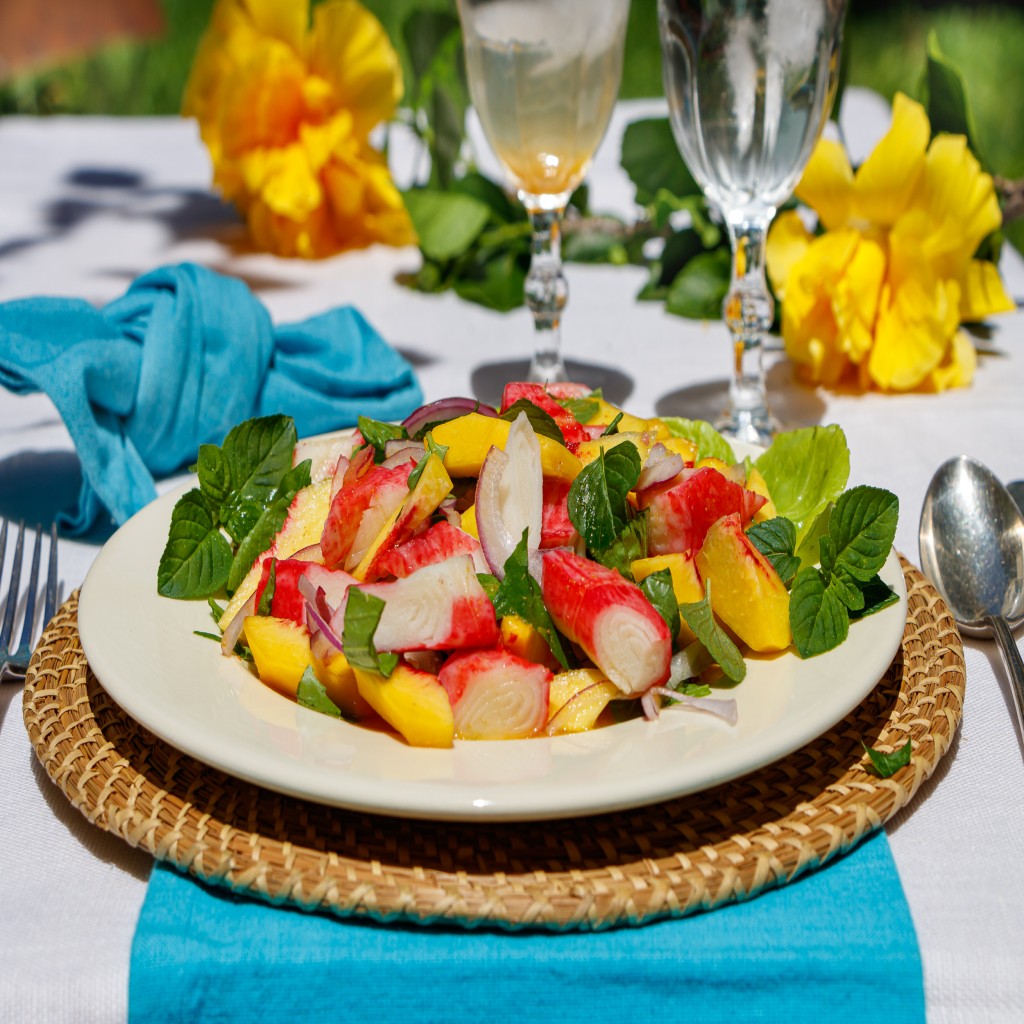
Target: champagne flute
[[544, 76], [750, 84]]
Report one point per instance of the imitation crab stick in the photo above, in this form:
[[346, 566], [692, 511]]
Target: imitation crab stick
[[610, 618]]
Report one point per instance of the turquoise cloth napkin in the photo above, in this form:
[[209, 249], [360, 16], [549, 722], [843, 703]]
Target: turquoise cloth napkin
[[838, 945], [177, 361]]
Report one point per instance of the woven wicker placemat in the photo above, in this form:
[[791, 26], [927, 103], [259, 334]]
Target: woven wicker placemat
[[694, 853]]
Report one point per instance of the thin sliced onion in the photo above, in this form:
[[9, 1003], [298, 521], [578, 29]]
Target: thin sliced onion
[[397, 444], [318, 612], [316, 597], [688, 663], [443, 410], [339, 475], [649, 706], [409, 453], [661, 466], [234, 628], [724, 708], [521, 491], [450, 512], [495, 539]]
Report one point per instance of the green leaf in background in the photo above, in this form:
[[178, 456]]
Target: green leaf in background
[[889, 764], [424, 32], [658, 589], [680, 247], [817, 615], [710, 443], [700, 618], [312, 694], [495, 283], [447, 223], [700, 288], [651, 158], [947, 98], [493, 196], [805, 470], [775, 539], [597, 500], [197, 558]]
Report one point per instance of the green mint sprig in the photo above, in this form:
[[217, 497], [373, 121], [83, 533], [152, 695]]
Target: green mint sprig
[[362, 616], [700, 618], [219, 528]]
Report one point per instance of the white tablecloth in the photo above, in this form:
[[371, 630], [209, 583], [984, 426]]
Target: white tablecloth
[[88, 204]]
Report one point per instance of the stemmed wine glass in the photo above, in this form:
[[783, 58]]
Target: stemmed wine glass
[[544, 76], [750, 84]]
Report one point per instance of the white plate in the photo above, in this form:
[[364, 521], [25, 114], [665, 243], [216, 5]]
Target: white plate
[[143, 650]]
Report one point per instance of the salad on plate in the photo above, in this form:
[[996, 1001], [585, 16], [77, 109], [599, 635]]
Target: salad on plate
[[549, 566]]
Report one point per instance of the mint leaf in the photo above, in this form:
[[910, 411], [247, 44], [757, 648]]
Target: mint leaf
[[205, 635], [258, 453], [658, 589], [362, 614], [805, 470], [889, 764], [613, 427], [491, 584], [257, 540], [377, 434], [694, 690], [543, 422], [817, 615], [197, 558], [597, 500], [583, 410], [710, 443], [877, 595], [440, 450], [630, 545], [808, 549], [520, 594], [861, 531], [312, 694], [214, 474], [847, 589], [700, 618], [775, 539], [267, 597]]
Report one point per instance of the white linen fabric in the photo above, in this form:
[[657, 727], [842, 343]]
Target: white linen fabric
[[86, 205]]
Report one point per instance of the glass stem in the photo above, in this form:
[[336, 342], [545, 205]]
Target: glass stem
[[748, 312], [546, 293]]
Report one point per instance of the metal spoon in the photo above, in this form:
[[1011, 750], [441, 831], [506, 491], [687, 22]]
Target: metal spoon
[[972, 546]]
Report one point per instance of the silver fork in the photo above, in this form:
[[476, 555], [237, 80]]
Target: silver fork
[[14, 663]]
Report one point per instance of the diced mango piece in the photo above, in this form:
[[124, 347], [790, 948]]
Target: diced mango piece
[[577, 698], [468, 519], [682, 446], [756, 482], [746, 592], [280, 649], [412, 702], [469, 438], [587, 451], [518, 637], [339, 681], [654, 428]]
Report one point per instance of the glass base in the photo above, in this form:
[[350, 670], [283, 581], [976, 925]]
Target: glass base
[[753, 426], [547, 369]]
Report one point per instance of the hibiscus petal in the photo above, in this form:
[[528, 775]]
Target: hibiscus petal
[[827, 184], [982, 292], [885, 182], [286, 20], [788, 240], [350, 49]]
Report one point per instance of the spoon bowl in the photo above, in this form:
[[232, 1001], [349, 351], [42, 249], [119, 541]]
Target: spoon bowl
[[972, 546]]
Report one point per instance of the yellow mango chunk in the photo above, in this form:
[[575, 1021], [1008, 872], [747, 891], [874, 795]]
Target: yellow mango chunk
[[746, 592], [412, 702], [339, 681], [576, 700], [682, 446], [280, 649], [518, 637], [468, 519], [587, 451], [756, 482], [469, 438], [654, 428]]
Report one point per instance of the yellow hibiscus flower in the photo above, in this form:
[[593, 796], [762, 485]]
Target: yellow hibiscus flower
[[878, 298], [286, 108]]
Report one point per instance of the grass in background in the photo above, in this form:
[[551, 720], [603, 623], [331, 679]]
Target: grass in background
[[885, 47]]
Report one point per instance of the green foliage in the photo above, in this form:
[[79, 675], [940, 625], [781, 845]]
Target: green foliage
[[362, 616]]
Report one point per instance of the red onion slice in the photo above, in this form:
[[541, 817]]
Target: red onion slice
[[495, 539], [397, 444], [661, 466], [234, 628], [409, 453], [443, 410], [723, 708]]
